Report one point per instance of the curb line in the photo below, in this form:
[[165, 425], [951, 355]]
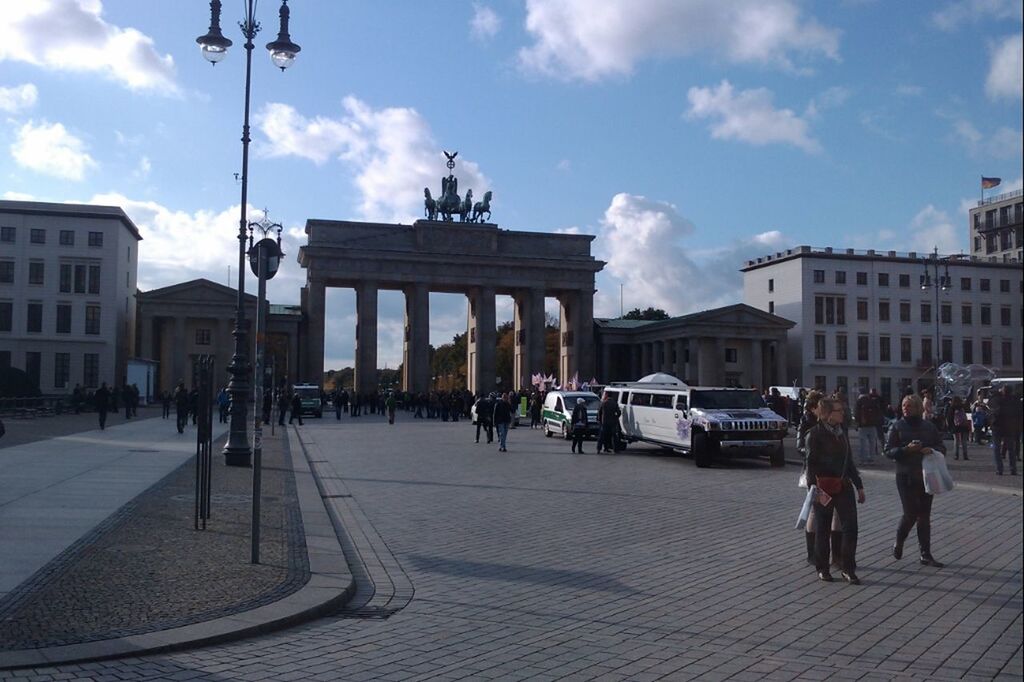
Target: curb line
[[330, 586]]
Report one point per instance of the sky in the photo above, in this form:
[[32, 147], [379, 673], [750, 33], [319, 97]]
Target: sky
[[685, 135]]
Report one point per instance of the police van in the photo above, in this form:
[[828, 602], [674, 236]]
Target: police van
[[708, 422], [309, 396], [556, 414]]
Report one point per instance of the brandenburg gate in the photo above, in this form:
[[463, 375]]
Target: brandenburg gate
[[477, 259]]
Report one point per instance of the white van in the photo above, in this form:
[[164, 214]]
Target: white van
[[707, 421], [556, 414]]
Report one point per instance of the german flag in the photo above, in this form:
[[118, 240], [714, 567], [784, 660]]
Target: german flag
[[989, 183]]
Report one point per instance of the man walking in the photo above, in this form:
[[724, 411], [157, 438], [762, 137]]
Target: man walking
[[296, 409], [102, 399], [282, 406], [502, 420], [608, 418], [868, 415], [484, 413], [1006, 429], [181, 406], [579, 425]]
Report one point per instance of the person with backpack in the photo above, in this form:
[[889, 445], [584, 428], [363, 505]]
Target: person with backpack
[[959, 425]]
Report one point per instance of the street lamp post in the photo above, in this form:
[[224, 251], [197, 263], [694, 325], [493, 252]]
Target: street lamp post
[[282, 53], [938, 284]]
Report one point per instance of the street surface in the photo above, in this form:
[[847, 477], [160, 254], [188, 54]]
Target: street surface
[[539, 564]]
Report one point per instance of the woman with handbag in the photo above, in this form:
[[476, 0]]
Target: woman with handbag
[[830, 467], [909, 440], [808, 421]]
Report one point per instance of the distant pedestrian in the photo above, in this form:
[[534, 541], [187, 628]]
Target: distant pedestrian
[[181, 403], [535, 409], [282, 406], [868, 415], [193, 404], [338, 404], [136, 396], [102, 400], [502, 417], [608, 417], [1006, 429], [579, 425], [959, 424], [484, 414], [76, 398], [165, 403], [910, 439], [390, 405], [268, 404], [296, 412]]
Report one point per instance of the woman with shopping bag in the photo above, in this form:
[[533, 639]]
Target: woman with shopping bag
[[910, 440], [831, 468]]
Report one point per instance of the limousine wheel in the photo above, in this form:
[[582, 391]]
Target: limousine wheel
[[778, 456], [701, 450]]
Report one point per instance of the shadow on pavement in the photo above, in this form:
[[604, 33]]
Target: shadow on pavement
[[551, 577]]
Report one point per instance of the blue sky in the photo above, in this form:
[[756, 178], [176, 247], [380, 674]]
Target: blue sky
[[686, 135]]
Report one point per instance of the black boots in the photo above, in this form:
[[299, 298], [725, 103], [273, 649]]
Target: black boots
[[928, 560], [897, 549], [810, 547]]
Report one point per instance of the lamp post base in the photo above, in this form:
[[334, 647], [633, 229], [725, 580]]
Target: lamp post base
[[237, 458]]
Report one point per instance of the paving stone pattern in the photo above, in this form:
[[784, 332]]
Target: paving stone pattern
[[146, 569], [541, 565]]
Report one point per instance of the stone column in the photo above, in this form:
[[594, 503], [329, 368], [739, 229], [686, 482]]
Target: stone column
[[635, 361], [416, 355], [708, 371], [781, 364], [586, 359], [756, 364], [481, 340], [645, 360], [679, 371], [145, 349], [178, 352], [365, 380], [315, 312], [529, 347], [604, 371]]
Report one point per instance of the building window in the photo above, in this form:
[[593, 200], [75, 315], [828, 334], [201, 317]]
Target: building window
[[926, 351], [829, 310], [63, 318], [36, 272], [94, 279], [967, 351], [1007, 353], [926, 313], [886, 390], [80, 279], [819, 276], [33, 366], [6, 315], [7, 234], [92, 319], [6, 272], [986, 351], [906, 353], [67, 238], [884, 349], [840, 276], [1004, 286], [34, 317], [771, 285], [819, 382], [91, 370], [842, 382], [947, 350], [203, 339], [61, 369], [862, 279], [863, 343], [819, 346], [862, 309], [904, 311], [966, 314], [883, 311], [986, 285], [65, 278], [95, 239], [771, 307], [965, 284], [1004, 316], [986, 314], [37, 236], [731, 354], [5, 359], [947, 313], [883, 279], [841, 347], [904, 281]]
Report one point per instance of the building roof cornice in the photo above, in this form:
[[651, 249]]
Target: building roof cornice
[[71, 210]]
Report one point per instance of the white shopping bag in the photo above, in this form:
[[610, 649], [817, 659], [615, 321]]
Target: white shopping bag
[[936, 475], [805, 511]]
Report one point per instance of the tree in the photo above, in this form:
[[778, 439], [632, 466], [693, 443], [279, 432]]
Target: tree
[[646, 314]]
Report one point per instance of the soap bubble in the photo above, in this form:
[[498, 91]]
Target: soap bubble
[[959, 381]]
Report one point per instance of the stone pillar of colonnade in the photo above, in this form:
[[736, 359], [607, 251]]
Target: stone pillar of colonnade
[[529, 337], [316, 313], [416, 352], [679, 369], [709, 366], [365, 379], [576, 318], [756, 364], [481, 340]]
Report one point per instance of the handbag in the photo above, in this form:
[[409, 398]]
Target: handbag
[[936, 474], [833, 485]]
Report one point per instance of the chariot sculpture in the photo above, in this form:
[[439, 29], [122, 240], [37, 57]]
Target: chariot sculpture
[[449, 204]]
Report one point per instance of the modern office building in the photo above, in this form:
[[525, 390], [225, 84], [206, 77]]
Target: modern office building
[[870, 318], [67, 292], [996, 228]]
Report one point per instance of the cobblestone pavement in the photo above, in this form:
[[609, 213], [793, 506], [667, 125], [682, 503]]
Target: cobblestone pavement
[[147, 569], [29, 430], [538, 564]]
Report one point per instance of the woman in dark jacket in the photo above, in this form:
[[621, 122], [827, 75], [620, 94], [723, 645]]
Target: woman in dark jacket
[[579, 425], [831, 468], [808, 421], [910, 439]]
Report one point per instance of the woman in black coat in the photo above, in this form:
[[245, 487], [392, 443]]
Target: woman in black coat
[[579, 425], [909, 440]]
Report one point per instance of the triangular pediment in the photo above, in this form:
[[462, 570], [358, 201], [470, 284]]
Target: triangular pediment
[[739, 314], [202, 289]]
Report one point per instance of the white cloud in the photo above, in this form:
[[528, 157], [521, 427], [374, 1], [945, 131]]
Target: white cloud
[[71, 35], [18, 196], [485, 23], [748, 116], [587, 40], [831, 98], [909, 90], [1003, 143], [392, 152], [50, 149], [18, 98], [657, 254], [1005, 74], [142, 170], [953, 14], [932, 228]]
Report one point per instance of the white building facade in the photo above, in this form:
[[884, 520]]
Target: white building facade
[[996, 227], [863, 318], [68, 277]]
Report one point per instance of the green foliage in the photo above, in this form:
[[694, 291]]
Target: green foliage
[[646, 314]]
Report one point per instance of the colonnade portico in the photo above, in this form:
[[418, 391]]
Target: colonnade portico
[[480, 261]]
